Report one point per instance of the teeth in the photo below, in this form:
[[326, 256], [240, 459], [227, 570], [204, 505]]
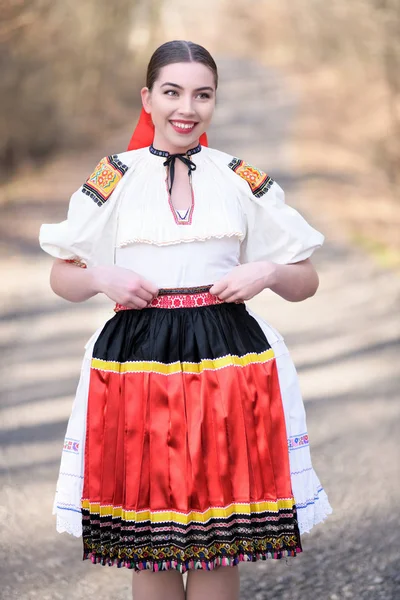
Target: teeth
[[182, 125]]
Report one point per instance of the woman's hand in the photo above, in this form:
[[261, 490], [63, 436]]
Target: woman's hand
[[294, 282], [124, 286], [245, 281]]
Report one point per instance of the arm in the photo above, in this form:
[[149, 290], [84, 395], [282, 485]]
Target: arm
[[121, 285], [294, 282], [71, 282]]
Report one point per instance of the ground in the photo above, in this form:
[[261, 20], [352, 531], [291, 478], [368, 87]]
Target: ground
[[344, 340]]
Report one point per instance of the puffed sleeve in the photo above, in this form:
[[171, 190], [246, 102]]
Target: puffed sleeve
[[86, 236], [274, 230]]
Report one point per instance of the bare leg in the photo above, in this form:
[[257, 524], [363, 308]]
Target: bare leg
[[160, 585], [222, 583]]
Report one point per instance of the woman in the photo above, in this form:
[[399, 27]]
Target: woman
[[187, 448]]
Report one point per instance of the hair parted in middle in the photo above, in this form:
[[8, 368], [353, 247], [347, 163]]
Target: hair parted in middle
[[178, 51]]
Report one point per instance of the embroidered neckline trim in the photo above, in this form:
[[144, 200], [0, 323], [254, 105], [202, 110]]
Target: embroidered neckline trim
[[179, 212], [165, 154]]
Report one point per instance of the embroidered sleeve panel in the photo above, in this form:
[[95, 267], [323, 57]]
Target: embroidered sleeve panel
[[259, 182], [104, 179], [77, 262]]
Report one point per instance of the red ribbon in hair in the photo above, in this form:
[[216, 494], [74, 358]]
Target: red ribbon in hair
[[143, 135]]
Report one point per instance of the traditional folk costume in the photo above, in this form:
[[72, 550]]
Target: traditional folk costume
[[187, 445]]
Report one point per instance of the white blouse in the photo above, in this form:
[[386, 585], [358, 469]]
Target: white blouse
[[199, 263], [123, 215]]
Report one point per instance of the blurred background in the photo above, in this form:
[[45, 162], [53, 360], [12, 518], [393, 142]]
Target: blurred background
[[71, 74], [310, 92]]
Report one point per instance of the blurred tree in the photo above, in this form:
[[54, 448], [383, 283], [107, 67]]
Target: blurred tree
[[361, 40], [389, 21], [68, 72], [353, 47]]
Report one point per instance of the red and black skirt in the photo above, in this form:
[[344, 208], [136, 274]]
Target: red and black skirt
[[186, 456]]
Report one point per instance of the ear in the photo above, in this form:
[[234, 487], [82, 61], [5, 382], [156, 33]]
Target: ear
[[146, 99]]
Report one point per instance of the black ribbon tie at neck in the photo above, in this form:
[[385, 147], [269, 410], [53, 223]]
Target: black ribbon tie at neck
[[171, 158], [170, 162]]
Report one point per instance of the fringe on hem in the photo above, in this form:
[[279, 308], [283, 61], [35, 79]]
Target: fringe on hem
[[183, 566]]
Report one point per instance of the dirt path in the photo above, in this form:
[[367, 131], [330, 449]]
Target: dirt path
[[345, 343]]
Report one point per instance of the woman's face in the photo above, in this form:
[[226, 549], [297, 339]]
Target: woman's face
[[181, 105]]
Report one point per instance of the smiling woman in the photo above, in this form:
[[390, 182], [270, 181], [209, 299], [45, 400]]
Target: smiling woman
[[181, 103], [191, 450]]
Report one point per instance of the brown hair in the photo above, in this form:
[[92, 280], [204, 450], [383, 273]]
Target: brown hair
[[175, 52]]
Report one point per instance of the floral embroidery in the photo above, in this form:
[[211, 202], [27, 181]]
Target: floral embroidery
[[76, 261], [258, 181], [71, 445], [181, 298], [104, 179], [298, 441]]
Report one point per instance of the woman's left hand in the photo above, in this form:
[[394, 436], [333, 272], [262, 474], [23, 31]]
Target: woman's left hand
[[245, 281]]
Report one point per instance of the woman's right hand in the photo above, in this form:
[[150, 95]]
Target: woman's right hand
[[124, 286]]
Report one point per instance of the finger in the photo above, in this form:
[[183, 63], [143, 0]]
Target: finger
[[150, 287], [138, 303], [227, 293], [144, 295], [235, 297], [218, 288]]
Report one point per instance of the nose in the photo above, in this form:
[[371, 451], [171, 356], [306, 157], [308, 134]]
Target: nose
[[186, 108]]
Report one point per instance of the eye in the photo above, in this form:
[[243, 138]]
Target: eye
[[171, 92], [204, 95]]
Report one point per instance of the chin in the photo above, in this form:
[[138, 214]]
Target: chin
[[182, 139], [189, 143]]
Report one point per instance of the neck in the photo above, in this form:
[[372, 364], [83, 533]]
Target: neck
[[160, 143]]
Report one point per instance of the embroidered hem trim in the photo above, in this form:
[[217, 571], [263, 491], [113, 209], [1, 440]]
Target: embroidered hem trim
[[183, 566], [76, 261], [220, 236], [178, 367]]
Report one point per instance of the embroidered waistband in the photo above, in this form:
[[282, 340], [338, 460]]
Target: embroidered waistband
[[193, 297]]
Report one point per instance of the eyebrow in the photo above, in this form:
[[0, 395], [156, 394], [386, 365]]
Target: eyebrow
[[179, 87]]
